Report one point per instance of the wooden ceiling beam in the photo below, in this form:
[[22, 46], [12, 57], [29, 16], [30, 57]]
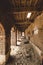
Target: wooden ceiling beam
[[21, 23], [27, 5], [20, 26]]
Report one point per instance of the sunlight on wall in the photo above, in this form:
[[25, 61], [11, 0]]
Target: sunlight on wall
[[36, 30]]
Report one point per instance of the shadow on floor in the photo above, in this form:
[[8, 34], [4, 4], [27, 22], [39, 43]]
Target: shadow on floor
[[11, 61]]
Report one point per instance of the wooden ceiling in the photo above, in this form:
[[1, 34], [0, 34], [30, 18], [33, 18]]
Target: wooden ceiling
[[21, 20], [19, 9], [22, 8], [25, 5]]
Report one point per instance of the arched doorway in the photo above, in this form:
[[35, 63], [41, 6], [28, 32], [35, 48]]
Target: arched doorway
[[2, 44]]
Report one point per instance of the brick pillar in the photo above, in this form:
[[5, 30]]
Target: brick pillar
[[16, 36], [19, 34], [13, 37], [7, 44], [13, 40]]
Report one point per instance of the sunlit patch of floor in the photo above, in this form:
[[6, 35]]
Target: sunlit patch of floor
[[14, 50]]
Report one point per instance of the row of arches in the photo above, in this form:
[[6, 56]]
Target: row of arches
[[8, 37], [3, 38]]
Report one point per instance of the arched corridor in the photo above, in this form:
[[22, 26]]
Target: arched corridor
[[21, 32]]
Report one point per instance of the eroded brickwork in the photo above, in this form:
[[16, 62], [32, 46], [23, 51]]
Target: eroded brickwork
[[2, 40]]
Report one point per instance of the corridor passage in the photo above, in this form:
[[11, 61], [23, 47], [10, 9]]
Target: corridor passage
[[24, 54], [21, 32]]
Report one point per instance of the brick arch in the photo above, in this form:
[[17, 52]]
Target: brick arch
[[2, 39], [2, 43], [2, 30]]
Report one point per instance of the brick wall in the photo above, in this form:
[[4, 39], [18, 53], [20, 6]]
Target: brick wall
[[37, 39], [2, 40]]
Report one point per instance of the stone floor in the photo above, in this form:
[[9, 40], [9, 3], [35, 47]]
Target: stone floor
[[24, 55]]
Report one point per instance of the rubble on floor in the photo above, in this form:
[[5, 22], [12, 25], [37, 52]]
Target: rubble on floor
[[26, 55]]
